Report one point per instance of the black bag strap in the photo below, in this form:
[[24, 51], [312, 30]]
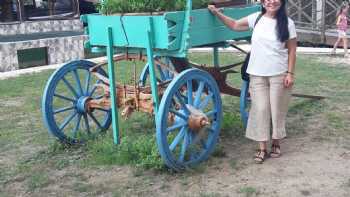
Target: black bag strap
[[257, 19], [244, 74]]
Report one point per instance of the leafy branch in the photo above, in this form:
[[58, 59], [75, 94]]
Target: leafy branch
[[108, 7]]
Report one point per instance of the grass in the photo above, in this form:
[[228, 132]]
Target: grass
[[37, 180], [210, 194], [29, 150], [248, 191]]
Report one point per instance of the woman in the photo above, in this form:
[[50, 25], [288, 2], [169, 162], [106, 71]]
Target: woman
[[271, 69], [342, 24]]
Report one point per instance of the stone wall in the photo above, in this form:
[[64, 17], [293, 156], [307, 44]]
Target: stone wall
[[29, 27], [59, 49]]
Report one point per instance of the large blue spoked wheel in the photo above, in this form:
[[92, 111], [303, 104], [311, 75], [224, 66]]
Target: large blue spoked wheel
[[243, 102], [189, 119], [163, 71], [64, 103]]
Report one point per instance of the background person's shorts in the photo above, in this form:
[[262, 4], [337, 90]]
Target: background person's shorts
[[341, 33]]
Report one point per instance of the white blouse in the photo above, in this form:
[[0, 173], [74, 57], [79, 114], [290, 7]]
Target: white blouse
[[269, 56]]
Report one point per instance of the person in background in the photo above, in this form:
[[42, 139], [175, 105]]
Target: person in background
[[271, 70], [342, 25]]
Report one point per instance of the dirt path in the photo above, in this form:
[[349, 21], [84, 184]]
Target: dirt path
[[315, 162]]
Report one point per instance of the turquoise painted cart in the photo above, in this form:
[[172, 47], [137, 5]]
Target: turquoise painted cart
[[81, 100]]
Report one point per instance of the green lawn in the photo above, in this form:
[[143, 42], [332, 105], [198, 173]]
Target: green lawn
[[29, 153]]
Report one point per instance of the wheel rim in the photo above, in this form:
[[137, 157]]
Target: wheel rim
[[189, 119], [64, 103], [163, 73]]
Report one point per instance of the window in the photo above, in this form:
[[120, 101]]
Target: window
[[9, 11], [32, 57], [40, 9]]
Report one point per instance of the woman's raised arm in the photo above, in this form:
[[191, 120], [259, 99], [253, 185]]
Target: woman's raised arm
[[236, 25]]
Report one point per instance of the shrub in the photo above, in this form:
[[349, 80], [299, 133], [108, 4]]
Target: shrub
[[109, 7]]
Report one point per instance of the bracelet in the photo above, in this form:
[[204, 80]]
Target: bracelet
[[290, 72]]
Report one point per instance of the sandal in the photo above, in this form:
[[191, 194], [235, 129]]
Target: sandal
[[260, 157], [275, 151]]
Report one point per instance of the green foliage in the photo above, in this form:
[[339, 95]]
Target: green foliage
[[140, 151], [219, 151], [37, 180], [232, 125], [109, 7], [248, 191]]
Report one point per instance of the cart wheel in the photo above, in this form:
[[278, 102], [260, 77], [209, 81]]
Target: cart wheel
[[243, 102], [189, 119], [163, 74], [64, 108]]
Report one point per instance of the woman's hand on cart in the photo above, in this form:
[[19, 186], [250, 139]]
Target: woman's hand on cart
[[214, 10]]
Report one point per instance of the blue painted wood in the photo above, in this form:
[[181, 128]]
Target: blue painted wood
[[66, 92], [243, 108], [112, 89], [216, 57], [163, 74], [179, 146], [173, 32], [153, 79]]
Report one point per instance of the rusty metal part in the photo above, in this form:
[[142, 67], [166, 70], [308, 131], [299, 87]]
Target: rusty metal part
[[130, 98], [197, 122], [197, 119], [126, 99], [308, 96], [218, 73]]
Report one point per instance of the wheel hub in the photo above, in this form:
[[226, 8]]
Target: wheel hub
[[81, 104], [197, 119]]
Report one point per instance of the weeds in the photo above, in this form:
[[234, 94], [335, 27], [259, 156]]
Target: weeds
[[248, 191], [140, 151], [37, 180], [108, 7]]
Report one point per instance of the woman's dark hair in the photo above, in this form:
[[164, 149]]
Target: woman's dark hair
[[282, 22], [344, 5]]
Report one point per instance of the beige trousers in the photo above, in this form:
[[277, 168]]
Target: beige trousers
[[269, 104]]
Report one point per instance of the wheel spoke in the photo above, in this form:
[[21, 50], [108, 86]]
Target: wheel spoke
[[77, 126], [161, 72], [104, 110], [70, 87], [63, 97], [78, 82], [63, 109], [184, 147], [198, 94], [178, 125], [93, 91], [167, 74], [182, 102], [177, 139], [95, 120], [205, 102], [87, 82], [204, 144], [98, 97], [211, 130], [189, 92], [179, 114], [211, 114], [86, 120], [67, 120]]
